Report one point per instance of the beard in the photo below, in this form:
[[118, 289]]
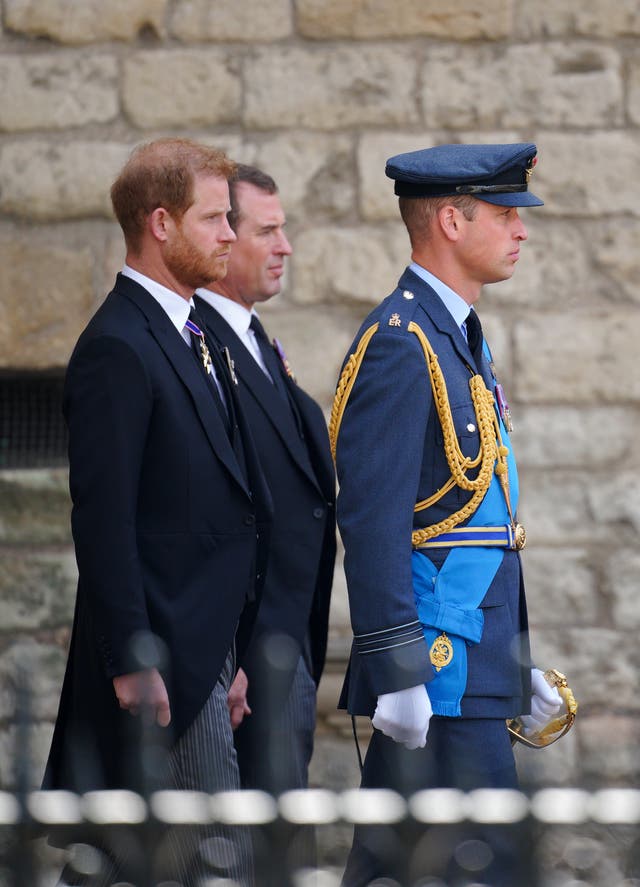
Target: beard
[[192, 267]]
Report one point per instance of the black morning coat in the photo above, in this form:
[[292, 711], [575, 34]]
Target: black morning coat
[[293, 448], [170, 536]]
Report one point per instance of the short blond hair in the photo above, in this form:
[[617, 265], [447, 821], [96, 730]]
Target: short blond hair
[[418, 213]]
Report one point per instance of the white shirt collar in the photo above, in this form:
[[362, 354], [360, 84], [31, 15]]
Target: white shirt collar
[[235, 314], [171, 302], [238, 318], [455, 304]]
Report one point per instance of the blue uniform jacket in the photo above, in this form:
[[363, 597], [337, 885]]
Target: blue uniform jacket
[[389, 456]]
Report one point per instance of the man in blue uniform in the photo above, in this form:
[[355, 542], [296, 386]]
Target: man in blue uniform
[[427, 504]]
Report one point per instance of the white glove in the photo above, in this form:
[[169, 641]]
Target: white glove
[[546, 702], [404, 716]]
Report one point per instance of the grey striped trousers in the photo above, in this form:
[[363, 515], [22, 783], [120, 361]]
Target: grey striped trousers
[[203, 759]]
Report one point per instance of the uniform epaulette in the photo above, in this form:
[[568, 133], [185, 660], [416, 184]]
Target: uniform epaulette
[[398, 311]]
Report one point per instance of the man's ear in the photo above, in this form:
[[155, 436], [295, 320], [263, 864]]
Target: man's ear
[[159, 223], [449, 221]]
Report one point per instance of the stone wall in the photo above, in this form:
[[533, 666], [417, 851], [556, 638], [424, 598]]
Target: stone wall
[[320, 92]]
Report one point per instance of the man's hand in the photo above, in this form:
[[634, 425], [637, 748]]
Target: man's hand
[[144, 691], [546, 702], [237, 699], [404, 716]]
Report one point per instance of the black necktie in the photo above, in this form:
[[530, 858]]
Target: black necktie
[[271, 361], [474, 336]]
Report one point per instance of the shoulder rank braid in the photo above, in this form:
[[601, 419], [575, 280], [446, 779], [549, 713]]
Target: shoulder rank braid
[[492, 454]]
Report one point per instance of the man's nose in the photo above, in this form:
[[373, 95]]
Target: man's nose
[[228, 234], [284, 247], [521, 232]]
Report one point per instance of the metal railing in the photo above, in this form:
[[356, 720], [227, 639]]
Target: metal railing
[[74, 821]]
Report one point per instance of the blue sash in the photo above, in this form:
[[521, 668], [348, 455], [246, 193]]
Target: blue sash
[[448, 601]]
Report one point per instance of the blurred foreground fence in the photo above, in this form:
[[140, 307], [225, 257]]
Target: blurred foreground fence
[[407, 827]]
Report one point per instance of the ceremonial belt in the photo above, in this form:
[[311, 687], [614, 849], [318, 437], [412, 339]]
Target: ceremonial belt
[[503, 536]]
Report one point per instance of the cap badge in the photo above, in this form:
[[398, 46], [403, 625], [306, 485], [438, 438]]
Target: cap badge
[[529, 168]]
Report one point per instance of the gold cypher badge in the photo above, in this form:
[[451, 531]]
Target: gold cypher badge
[[441, 652]]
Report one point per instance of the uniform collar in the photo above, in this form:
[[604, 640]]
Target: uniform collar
[[455, 304]]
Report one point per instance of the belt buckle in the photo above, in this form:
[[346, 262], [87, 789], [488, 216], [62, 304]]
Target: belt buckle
[[519, 536]]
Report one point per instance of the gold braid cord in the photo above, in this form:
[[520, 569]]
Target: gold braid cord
[[491, 456], [345, 384], [490, 451]]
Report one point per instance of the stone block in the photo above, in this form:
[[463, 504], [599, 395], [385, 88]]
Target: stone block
[[557, 262], [37, 590], [616, 501], [36, 507], [26, 748], [42, 181], [579, 358], [621, 587], [180, 88], [609, 747], [559, 581], [251, 20], [377, 200], [314, 173], [111, 260], [547, 18], [633, 100], [364, 267], [615, 257], [585, 434], [347, 87], [31, 676], [45, 299], [91, 21], [556, 508], [601, 666], [458, 20], [588, 173], [575, 84], [57, 91]]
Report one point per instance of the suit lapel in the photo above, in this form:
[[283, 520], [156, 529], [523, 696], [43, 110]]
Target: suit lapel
[[258, 387], [179, 356]]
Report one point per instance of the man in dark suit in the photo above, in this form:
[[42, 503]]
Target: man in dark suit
[[427, 513], [170, 511], [274, 721]]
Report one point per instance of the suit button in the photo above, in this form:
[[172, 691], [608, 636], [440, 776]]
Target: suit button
[[318, 513], [250, 519]]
